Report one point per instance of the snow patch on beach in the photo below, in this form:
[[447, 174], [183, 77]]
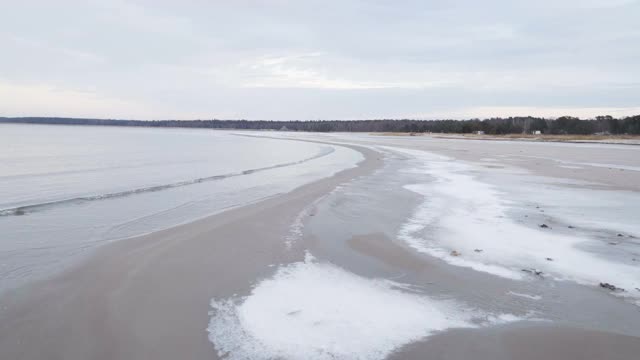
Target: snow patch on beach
[[465, 222], [297, 226], [526, 296], [502, 319], [581, 164], [313, 310], [295, 229]]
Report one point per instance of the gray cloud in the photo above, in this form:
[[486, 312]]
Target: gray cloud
[[319, 59]]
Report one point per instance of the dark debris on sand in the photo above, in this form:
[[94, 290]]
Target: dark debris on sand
[[610, 287], [534, 272]]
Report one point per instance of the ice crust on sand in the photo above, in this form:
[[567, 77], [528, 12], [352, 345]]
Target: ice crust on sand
[[526, 296], [312, 310], [462, 214]]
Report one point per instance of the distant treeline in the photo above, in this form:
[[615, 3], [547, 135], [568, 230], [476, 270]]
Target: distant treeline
[[511, 125]]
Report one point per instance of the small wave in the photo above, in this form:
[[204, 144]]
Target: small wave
[[93, 170], [26, 209]]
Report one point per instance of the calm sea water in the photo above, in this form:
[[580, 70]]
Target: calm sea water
[[66, 189]]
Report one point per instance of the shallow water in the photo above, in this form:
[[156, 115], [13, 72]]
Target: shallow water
[[66, 189]]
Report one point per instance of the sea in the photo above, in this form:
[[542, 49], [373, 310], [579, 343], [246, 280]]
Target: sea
[[66, 190]]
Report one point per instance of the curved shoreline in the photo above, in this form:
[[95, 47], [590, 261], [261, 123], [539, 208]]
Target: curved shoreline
[[148, 296], [29, 208]]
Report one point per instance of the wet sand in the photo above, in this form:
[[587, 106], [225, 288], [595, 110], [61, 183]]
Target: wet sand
[[148, 297], [524, 342], [599, 163], [575, 310]]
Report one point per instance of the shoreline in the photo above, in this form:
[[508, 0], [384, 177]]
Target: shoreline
[[54, 218], [148, 296], [567, 139], [626, 139]]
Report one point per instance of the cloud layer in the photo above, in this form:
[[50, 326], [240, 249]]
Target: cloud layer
[[349, 59]]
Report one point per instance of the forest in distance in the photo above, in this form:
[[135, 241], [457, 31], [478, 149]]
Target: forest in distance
[[565, 125]]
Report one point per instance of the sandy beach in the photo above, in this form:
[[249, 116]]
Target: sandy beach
[[150, 297], [298, 180]]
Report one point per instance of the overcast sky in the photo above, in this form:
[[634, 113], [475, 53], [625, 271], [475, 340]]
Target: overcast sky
[[287, 59]]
